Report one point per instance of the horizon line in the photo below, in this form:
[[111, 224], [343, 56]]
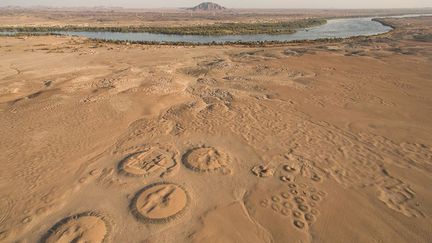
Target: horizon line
[[103, 6]]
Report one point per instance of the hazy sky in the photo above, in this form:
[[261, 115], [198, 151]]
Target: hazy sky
[[228, 3]]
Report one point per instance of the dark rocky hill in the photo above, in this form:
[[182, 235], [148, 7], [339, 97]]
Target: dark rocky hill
[[208, 6]]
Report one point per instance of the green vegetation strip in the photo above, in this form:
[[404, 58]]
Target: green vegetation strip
[[384, 22], [214, 29]]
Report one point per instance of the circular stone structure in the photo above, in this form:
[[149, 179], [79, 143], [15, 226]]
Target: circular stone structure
[[205, 159], [160, 202], [83, 227], [152, 160]]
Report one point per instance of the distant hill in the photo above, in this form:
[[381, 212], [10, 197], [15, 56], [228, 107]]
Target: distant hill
[[208, 6]]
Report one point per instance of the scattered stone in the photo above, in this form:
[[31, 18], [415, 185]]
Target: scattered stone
[[289, 168], [263, 171], [299, 224]]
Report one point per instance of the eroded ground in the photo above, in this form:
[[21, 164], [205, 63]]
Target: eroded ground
[[321, 142]]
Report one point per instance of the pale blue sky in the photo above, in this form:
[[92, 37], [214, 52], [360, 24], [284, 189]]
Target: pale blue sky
[[227, 3]]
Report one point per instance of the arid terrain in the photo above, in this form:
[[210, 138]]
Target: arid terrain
[[307, 142], [173, 17]]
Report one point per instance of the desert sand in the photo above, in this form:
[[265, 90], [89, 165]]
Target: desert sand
[[307, 142]]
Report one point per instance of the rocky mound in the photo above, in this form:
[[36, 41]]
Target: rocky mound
[[208, 6]]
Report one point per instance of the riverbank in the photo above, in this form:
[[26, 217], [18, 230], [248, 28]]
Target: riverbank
[[206, 30], [333, 30]]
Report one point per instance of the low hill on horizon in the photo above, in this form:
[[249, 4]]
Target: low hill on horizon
[[208, 6]]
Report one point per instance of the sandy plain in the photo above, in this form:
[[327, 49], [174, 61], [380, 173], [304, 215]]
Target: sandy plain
[[309, 142], [11, 16]]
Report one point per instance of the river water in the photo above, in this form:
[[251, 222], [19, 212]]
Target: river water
[[334, 28]]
